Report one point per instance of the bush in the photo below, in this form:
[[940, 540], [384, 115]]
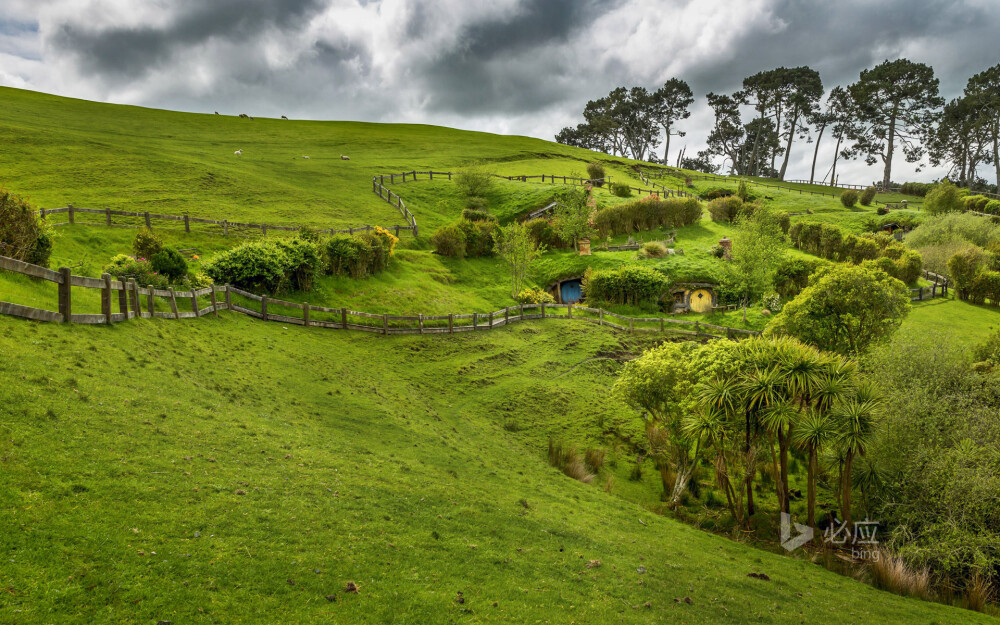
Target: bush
[[266, 265], [830, 241], [866, 197], [725, 209], [169, 262], [124, 267], [849, 198], [474, 181], [23, 235], [784, 221], [146, 244], [542, 232], [646, 214], [629, 284], [200, 281], [792, 275], [535, 296], [915, 188], [475, 215], [595, 171], [653, 249], [944, 198], [985, 286], [964, 266], [621, 189], [479, 237], [717, 192], [479, 204], [945, 228], [992, 207], [449, 241], [881, 210], [347, 255]]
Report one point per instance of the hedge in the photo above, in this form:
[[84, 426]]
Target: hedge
[[647, 214]]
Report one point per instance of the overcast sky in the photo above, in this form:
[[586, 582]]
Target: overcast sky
[[505, 66]]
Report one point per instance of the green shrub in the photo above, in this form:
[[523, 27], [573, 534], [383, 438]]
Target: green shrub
[[473, 215], [864, 249], [535, 296], [542, 232], [646, 213], [915, 188], [479, 237], [725, 209], [792, 275], [866, 197], [449, 241], [347, 255], [653, 249], [595, 171], [629, 284], [23, 235], [944, 198], [267, 265], [169, 262], [124, 267], [992, 207], [200, 281], [881, 210], [964, 266], [477, 204], [831, 240], [146, 243], [849, 198], [784, 220], [985, 286], [621, 189], [474, 181], [717, 192]]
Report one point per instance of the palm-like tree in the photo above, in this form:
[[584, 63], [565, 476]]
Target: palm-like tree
[[710, 427], [815, 429], [761, 391], [856, 419]]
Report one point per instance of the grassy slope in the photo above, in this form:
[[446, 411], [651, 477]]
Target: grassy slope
[[418, 478]]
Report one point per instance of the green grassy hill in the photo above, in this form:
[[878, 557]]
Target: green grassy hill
[[228, 470]]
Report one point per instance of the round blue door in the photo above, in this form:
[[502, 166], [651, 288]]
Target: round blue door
[[570, 292]]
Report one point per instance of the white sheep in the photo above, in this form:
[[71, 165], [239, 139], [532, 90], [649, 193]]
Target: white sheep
[[238, 152], [283, 117], [345, 158]]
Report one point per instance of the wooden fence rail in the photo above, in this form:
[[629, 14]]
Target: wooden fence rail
[[124, 299], [148, 218]]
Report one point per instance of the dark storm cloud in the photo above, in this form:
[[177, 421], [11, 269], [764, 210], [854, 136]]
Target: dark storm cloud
[[126, 53]]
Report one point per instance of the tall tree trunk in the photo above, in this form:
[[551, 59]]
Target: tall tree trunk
[[776, 469], [996, 151], [812, 174], [666, 143], [845, 503], [751, 469], [783, 440], [890, 148], [756, 144], [811, 487], [836, 155], [788, 145]]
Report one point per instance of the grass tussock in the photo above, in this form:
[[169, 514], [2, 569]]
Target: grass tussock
[[979, 593], [891, 572], [594, 459], [568, 460]]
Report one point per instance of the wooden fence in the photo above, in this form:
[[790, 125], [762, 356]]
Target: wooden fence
[[938, 288], [148, 218], [122, 300]]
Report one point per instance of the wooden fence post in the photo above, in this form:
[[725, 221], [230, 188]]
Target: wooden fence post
[[506, 315], [122, 297], [215, 304], [305, 313], [343, 318], [150, 302], [631, 326], [543, 310], [263, 308], [420, 320], [148, 225], [65, 294], [173, 303], [697, 329], [133, 291], [228, 298], [600, 316], [187, 224], [475, 319], [385, 324], [491, 320], [106, 298], [569, 310], [451, 323], [662, 324], [194, 301], [107, 215], [225, 229]]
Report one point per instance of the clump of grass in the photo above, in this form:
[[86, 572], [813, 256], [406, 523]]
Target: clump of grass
[[567, 459], [653, 249], [891, 572], [594, 459], [978, 593]]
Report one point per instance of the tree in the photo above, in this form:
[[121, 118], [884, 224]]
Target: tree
[[573, 216], [964, 266], [847, 310], [758, 247], [801, 90], [984, 87], [670, 104], [518, 251], [856, 421], [702, 162], [840, 116], [961, 139], [761, 91], [896, 101], [944, 197], [728, 134]]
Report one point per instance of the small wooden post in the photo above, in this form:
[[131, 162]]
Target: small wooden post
[[215, 304], [106, 298], [397, 231], [475, 319], [600, 316], [133, 291], [451, 323], [225, 228], [263, 308], [194, 301], [263, 230], [569, 310], [491, 320], [631, 326], [729, 333], [173, 303], [520, 312], [107, 215], [150, 302], [432, 174], [305, 314], [662, 323], [122, 298], [147, 220], [229, 298], [506, 315], [385, 324], [420, 320], [65, 294], [187, 224], [72, 219], [41, 212], [697, 329], [343, 318], [543, 310]]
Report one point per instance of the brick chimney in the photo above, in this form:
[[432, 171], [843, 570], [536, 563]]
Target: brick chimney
[[727, 247]]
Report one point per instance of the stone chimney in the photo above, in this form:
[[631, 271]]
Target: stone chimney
[[727, 247]]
